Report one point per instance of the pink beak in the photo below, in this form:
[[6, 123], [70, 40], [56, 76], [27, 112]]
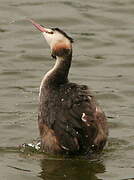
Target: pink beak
[[38, 26]]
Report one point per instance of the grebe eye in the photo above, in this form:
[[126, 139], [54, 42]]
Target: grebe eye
[[51, 32]]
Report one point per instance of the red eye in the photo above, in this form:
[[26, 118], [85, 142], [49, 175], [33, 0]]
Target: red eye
[[51, 32]]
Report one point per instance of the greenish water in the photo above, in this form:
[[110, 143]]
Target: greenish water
[[103, 58]]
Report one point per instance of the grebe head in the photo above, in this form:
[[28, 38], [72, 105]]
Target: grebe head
[[57, 39]]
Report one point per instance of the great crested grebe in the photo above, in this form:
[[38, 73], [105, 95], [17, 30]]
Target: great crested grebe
[[69, 119]]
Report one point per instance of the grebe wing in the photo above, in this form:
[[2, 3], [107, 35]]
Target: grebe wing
[[77, 125]]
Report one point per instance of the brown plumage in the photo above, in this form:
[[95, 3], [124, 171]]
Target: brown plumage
[[70, 120]]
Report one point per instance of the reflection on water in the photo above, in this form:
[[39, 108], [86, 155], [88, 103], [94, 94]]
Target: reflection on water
[[103, 58], [70, 169]]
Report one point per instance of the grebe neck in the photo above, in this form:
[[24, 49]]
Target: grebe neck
[[59, 73]]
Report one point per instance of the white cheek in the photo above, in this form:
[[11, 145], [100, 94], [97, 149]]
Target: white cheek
[[55, 38], [48, 37]]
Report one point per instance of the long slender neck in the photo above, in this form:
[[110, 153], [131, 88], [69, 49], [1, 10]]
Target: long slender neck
[[59, 73]]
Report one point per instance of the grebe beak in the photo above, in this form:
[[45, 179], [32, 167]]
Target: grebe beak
[[39, 27]]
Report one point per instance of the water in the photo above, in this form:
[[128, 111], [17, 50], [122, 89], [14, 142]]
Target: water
[[103, 59]]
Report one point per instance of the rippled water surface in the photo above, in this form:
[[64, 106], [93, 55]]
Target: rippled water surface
[[103, 59]]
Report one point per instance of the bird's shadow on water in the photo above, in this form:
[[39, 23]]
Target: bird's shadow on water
[[79, 167], [57, 167], [71, 169]]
